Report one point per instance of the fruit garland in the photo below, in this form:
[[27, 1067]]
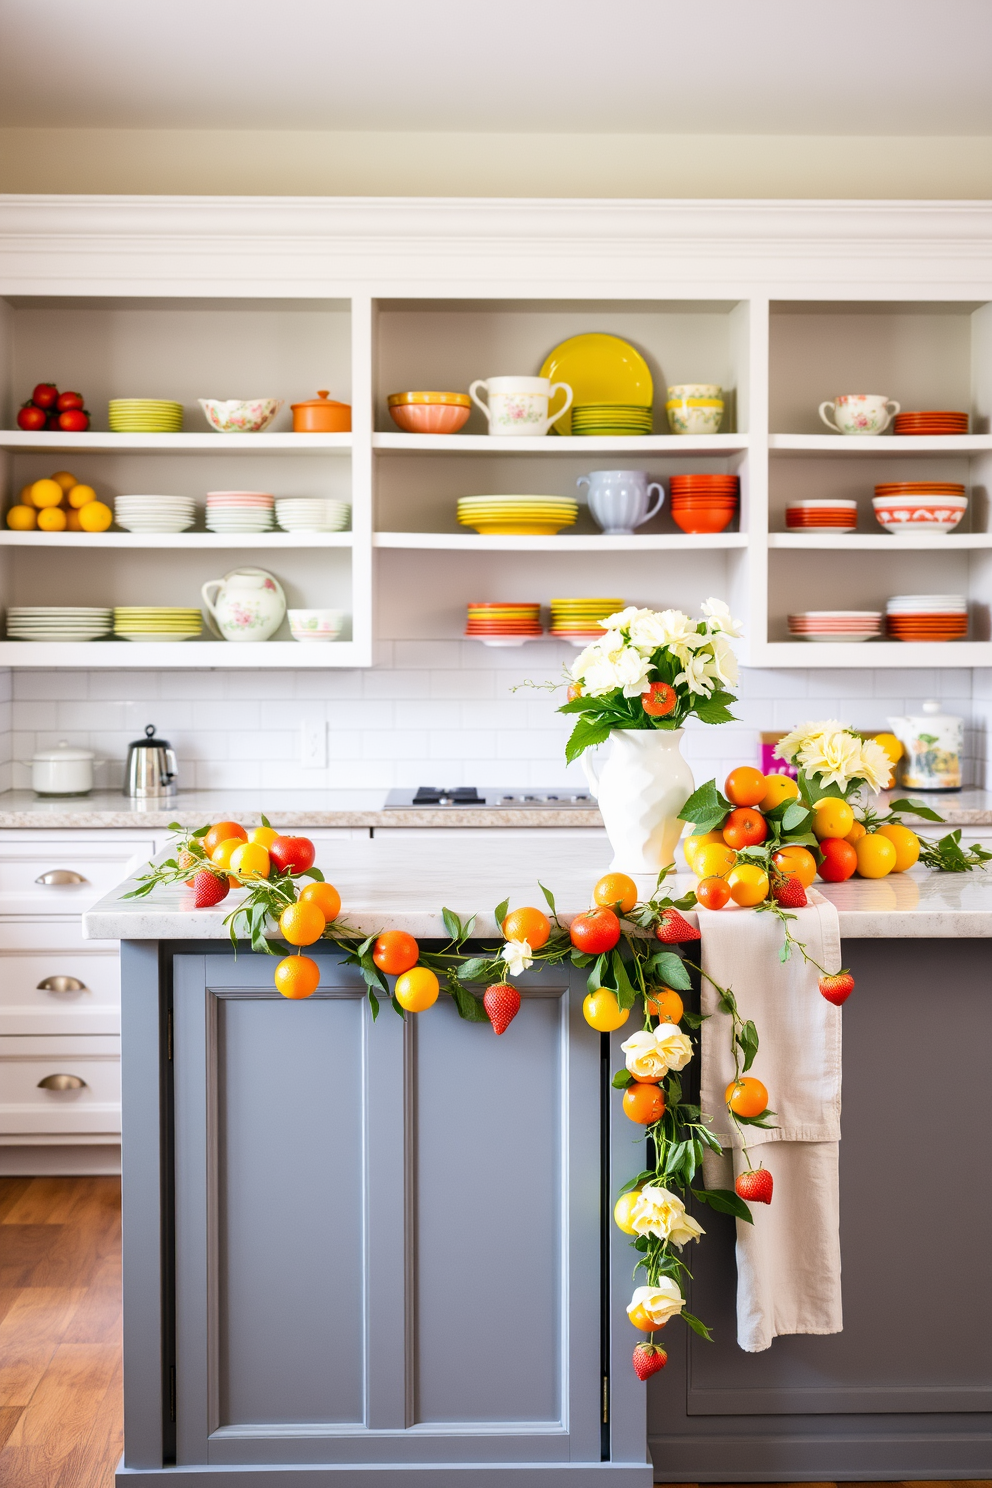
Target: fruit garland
[[616, 941]]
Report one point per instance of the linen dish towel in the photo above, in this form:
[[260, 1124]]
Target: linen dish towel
[[788, 1261]]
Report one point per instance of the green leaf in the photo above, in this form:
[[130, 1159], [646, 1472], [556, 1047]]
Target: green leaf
[[586, 734], [761, 1120], [671, 968], [641, 1243], [582, 705], [595, 978], [696, 1325], [398, 1008], [469, 1006], [704, 804], [500, 912], [313, 873], [625, 991], [793, 816], [363, 949], [694, 1020], [622, 1079], [549, 897], [638, 1181], [373, 1000], [200, 831], [470, 971], [708, 711], [580, 958], [915, 808], [452, 924], [673, 1090], [748, 1041], [725, 1200]]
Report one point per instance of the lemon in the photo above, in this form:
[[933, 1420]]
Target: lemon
[[73, 524], [892, 747], [64, 479], [95, 517], [46, 493], [622, 1210], [603, 1012], [21, 518], [80, 495], [25, 498], [51, 519], [905, 842]]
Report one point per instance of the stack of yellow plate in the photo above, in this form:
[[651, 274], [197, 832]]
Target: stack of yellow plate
[[145, 416], [157, 623], [611, 418], [517, 516], [578, 620]]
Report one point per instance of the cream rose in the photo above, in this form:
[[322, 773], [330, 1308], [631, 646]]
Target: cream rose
[[674, 1046], [719, 618], [651, 1054], [658, 1212], [660, 1302], [518, 957]]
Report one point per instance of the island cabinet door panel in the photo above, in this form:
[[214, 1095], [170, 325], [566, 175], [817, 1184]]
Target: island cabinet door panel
[[387, 1233]]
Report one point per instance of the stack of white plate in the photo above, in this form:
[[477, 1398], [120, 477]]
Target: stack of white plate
[[157, 623], [312, 514], [239, 511], [58, 622], [154, 513]]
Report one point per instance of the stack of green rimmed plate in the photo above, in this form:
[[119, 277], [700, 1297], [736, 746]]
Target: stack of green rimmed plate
[[145, 416], [157, 623], [611, 418]]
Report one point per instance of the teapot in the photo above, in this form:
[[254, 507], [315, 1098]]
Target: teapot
[[247, 604], [933, 743]]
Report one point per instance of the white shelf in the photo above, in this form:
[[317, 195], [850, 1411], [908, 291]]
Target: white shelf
[[859, 445], [581, 543], [881, 542], [488, 444], [187, 655], [874, 654], [22, 440], [275, 541]]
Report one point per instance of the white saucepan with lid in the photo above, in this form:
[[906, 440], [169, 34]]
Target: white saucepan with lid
[[62, 771]]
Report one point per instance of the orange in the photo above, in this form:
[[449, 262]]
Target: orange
[[713, 860], [224, 851], [744, 786], [746, 1096], [46, 493], [856, 833], [297, 976], [64, 479], [642, 1320], [892, 747], [527, 924], [905, 842], [664, 1004], [839, 860], [797, 860], [745, 827], [696, 840], [622, 1209], [51, 519], [265, 836], [72, 522], [832, 818], [25, 498], [616, 891], [602, 1011], [326, 898], [81, 496], [417, 990], [748, 884], [22, 518], [644, 1104], [301, 924], [395, 952], [876, 855], [220, 832], [778, 788], [712, 893], [251, 860], [95, 517]]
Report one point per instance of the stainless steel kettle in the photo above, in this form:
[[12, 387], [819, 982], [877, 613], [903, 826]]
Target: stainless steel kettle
[[151, 767]]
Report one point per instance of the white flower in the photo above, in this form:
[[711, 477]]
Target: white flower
[[875, 766], [698, 675], [724, 660], [518, 957], [632, 671], [660, 1302], [789, 747], [719, 618], [669, 628], [624, 618], [651, 1054], [658, 1212], [835, 758], [674, 1046]]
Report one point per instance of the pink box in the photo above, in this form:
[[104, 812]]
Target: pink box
[[769, 765]]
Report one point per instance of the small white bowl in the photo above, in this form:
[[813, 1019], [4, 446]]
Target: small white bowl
[[315, 625], [240, 415]]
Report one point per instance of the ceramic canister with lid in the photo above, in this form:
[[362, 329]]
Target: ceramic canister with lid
[[62, 771], [933, 742]]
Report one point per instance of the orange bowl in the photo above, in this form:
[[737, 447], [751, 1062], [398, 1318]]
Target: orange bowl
[[429, 418], [706, 520]]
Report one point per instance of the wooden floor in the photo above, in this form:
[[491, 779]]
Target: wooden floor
[[60, 1337], [60, 1332]]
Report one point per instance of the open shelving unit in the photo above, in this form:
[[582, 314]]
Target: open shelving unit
[[285, 319]]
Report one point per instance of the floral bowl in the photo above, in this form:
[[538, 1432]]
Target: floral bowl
[[240, 415], [695, 408], [315, 625]]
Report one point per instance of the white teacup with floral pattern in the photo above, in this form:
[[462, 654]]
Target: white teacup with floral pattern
[[860, 413], [695, 408], [518, 406], [315, 625]]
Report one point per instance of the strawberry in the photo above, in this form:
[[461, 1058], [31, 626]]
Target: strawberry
[[837, 988], [755, 1185], [208, 889], [789, 893], [648, 1359], [502, 1003], [675, 927]]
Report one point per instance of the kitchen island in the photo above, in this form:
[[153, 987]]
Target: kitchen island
[[356, 1253]]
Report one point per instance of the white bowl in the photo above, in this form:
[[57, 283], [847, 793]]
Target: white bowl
[[315, 625], [240, 415]]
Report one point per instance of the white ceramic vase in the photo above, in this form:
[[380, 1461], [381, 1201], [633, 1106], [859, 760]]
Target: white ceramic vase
[[641, 787]]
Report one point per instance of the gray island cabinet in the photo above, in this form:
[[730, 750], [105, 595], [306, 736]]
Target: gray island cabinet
[[361, 1253]]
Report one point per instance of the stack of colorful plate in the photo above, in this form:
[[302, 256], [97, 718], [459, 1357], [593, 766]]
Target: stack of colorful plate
[[57, 622], [312, 514], [239, 511], [157, 623], [836, 625], [930, 422], [517, 516], [579, 620], [629, 419], [145, 416], [927, 617], [509, 624], [703, 503], [837, 515], [154, 513]]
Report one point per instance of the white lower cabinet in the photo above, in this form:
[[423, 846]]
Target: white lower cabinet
[[60, 992], [53, 1085]]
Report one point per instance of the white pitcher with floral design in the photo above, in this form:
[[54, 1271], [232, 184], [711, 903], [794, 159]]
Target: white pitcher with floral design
[[247, 604]]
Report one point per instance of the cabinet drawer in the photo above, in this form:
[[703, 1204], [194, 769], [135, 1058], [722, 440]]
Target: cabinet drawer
[[88, 1000], [98, 866], [48, 932], [27, 1108]]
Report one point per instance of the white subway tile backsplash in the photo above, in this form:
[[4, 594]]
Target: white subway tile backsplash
[[51, 685]]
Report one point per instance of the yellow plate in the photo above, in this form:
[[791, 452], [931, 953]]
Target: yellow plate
[[517, 529], [599, 369]]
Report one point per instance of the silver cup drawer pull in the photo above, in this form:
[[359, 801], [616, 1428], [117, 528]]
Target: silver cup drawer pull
[[60, 877], [62, 984], [61, 1082]]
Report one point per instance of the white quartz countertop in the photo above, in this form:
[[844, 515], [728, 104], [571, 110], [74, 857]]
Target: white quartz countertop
[[403, 885]]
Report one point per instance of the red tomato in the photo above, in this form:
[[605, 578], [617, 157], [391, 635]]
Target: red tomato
[[744, 827], [596, 931], [30, 417], [839, 860], [74, 420], [713, 893], [292, 853], [395, 951], [68, 400], [45, 395]]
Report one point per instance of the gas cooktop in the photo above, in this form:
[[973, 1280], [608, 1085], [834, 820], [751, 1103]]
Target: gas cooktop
[[503, 798]]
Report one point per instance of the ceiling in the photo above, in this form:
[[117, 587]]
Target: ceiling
[[789, 67]]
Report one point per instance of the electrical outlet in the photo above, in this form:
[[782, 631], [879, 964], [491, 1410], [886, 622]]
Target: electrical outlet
[[313, 743]]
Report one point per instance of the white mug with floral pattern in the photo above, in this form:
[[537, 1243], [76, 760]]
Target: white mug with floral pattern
[[860, 413], [518, 406]]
